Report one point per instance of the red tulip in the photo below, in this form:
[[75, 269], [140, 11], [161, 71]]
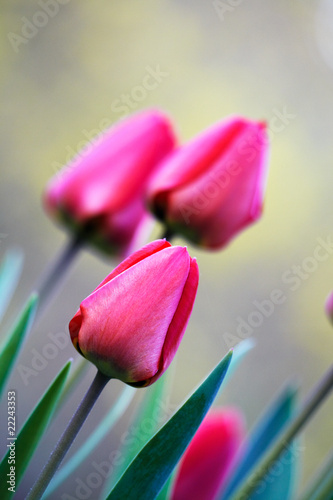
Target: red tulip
[[130, 327], [100, 194], [210, 456], [212, 188]]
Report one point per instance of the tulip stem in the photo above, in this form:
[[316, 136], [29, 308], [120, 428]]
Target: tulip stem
[[310, 406], [68, 436], [54, 274]]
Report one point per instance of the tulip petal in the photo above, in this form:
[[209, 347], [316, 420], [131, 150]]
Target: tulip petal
[[228, 196], [139, 303], [187, 163], [118, 163], [100, 194], [180, 319], [142, 253], [213, 187], [210, 456]]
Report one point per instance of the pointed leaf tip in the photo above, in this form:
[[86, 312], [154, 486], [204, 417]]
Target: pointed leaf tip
[[33, 430], [153, 465], [10, 348]]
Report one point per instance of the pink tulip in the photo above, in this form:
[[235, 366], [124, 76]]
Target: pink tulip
[[130, 327], [100, 194], [212, 188], [210, 456]]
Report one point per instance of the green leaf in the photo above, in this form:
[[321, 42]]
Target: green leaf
[[279, 481], [10, 271], [138, 434], [32, 431], [94, 439], [239, 352], [265, 432], [165, 492], [286, 436], [11, 347], [151, 468]]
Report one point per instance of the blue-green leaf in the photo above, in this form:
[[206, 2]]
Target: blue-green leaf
[[166, 491], [32, 431], [279, 481], [10, 271], [239, 352], [151, 468], [11, 347], [263, 435], [139, 433]]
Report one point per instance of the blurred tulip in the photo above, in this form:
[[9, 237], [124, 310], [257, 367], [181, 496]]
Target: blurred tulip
[[130, 327], [100, 194], [210, 456], [329, 307], [212, 187]]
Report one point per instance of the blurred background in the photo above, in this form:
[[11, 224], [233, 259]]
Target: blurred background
[[81, 66]]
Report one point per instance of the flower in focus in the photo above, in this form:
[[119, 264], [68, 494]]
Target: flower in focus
[[329, 307], [211, 188], [130, 327], [100, 194], [210, 456]]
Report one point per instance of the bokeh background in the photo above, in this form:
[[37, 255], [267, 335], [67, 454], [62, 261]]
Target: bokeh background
[[82, 69]]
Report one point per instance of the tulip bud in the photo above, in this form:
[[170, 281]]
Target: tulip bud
[[100, 194], [210, 456], [130, 327], [329, 307], [212, 188]]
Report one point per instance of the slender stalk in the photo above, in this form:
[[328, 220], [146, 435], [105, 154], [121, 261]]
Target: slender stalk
[[68, 436], [56, 272], [310, 406], [94, 439]]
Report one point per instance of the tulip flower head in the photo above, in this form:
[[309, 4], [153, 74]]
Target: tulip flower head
[[100, 194], [130, 327], [210, 456], [211, 188]]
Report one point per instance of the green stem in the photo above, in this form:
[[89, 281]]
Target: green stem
[[94, 439], [311, 405], [55, 273], [68, 436]]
